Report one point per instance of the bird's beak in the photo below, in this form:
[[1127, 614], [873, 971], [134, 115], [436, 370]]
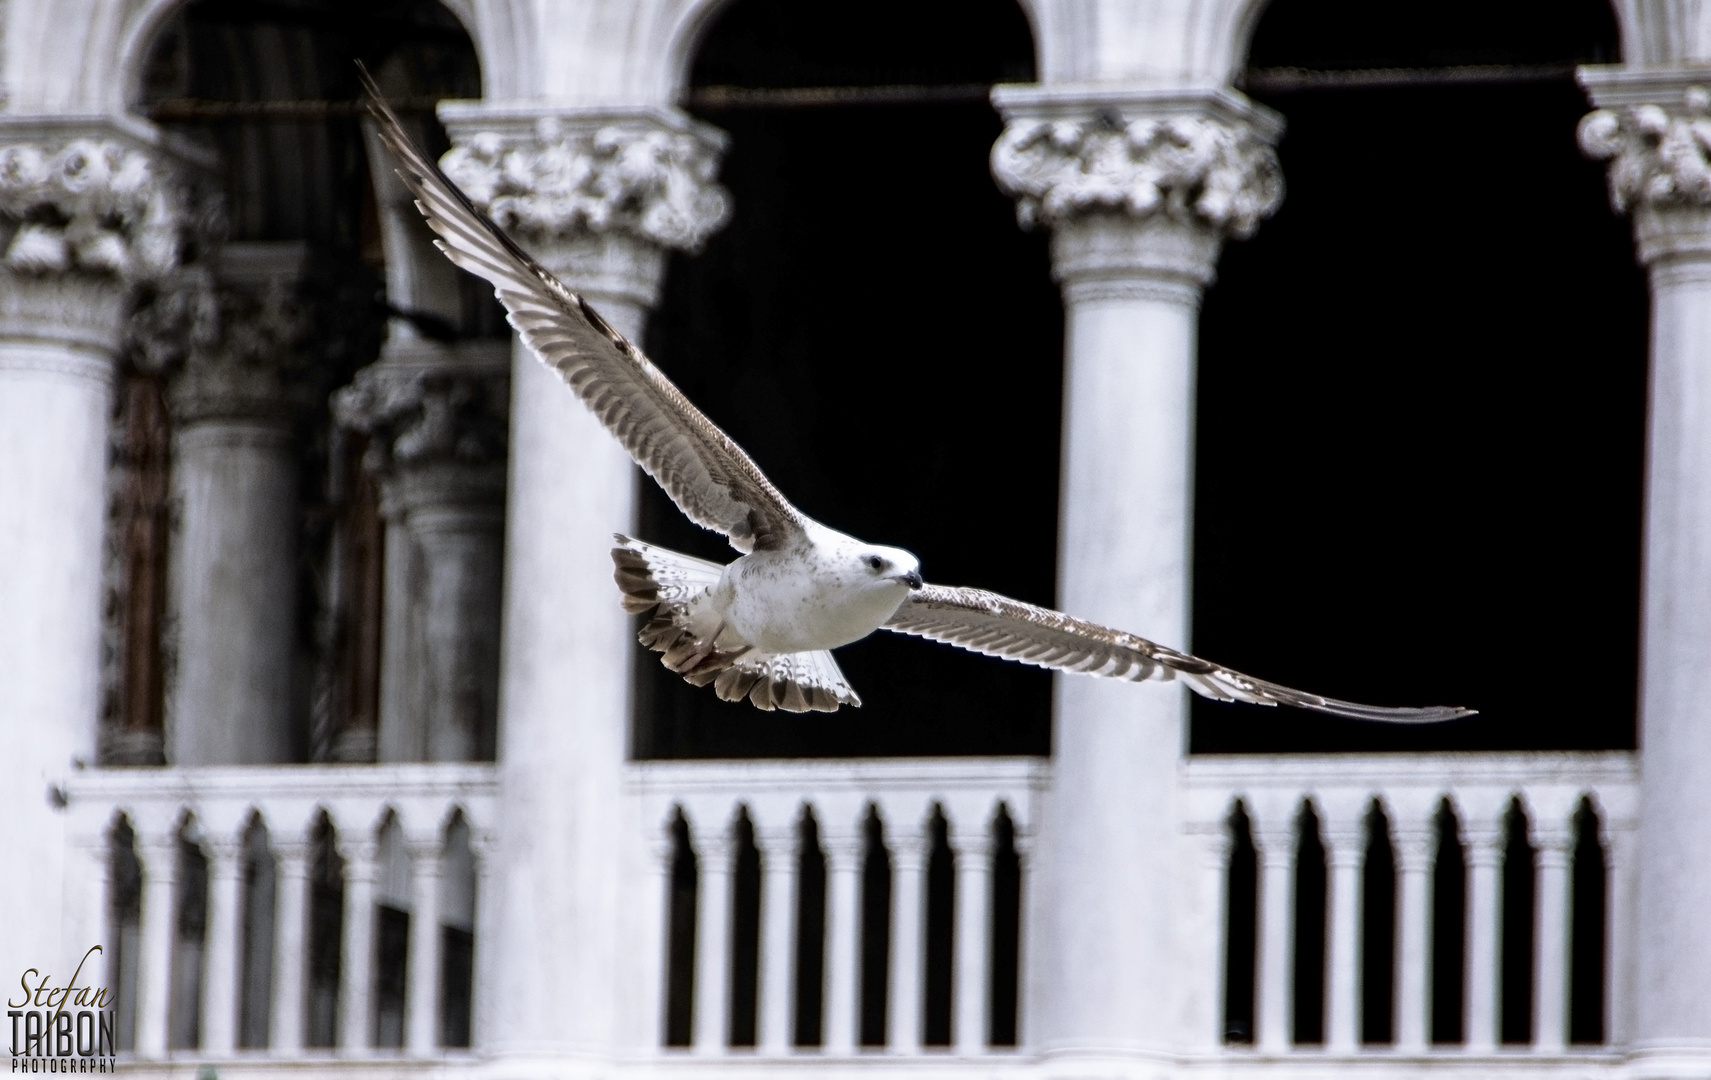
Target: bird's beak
[[912, 579]]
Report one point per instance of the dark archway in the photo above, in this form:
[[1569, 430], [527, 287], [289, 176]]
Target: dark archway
[[872, 273], [1422, 390]]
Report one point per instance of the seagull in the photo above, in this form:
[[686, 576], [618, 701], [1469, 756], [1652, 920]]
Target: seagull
[[763, 627]]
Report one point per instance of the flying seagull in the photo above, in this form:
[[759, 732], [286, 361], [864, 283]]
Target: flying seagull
[[763, 627]]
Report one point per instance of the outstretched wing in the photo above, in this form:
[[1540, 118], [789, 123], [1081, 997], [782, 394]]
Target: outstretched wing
[[706, 474], [986, 622]]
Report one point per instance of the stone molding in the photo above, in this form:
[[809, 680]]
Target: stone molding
[[572, 175], [432, 405], [1203, 159]]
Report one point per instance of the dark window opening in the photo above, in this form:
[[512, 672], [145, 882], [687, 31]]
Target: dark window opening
[[1308, 1018], [745, 931], [189, 942], [125, 927], [1330, 347], [1449, 929], [256, 898], [391, 973], [1378, 932], [940, 933], [1515, 957], [1588, 936], [810, 932], [680, 936], [763, 328], [326, 932], [875, 930], [1002, 1005], [457, 931], [1241, 929]]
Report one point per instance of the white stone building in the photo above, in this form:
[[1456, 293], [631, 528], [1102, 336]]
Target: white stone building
[[432, 849]]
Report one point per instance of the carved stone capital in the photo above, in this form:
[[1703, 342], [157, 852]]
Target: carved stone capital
[[1654, 128], [95, 204], [557, 177], [1660, 155], [428, 406], [1203, 160], [234, 342]]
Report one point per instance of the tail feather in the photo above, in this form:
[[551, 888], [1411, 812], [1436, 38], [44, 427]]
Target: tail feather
[[664, 586]]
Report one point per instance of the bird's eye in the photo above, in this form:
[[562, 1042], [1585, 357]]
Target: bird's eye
[[874, 562]]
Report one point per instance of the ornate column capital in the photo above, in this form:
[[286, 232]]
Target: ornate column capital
[[438, 418], [599, 194], [232, 335], [1654, 128], [1137, 182]]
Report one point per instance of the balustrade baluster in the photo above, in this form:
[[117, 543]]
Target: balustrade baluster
[[290, 932], [777, 907], [1276, 903], [356, 963], [712, 943], [908, 899], [843, 860], [1413, 859], [421, 999], [1550, 950], [219, 980], [1342, 918], [154, 977], [973, 937], [1484, 854]]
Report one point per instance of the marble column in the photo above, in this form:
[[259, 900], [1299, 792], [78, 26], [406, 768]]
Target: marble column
[[422, 998], [712, 941], [1413, 916], [1654, 126], [970, 985], [220, 973], [1139, 188], [598, 197], [234, 478], [83, 215], [908, 907], [435, 415], [778, 920]]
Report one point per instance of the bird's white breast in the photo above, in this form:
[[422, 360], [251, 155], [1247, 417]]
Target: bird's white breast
[[809, 597]]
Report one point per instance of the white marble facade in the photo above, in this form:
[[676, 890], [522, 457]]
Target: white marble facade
[[1140, 157]]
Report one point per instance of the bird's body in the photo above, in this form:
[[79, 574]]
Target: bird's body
[[762, 627]]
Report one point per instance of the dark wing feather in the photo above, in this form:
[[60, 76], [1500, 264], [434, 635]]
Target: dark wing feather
[[706, 474], [995, 625]]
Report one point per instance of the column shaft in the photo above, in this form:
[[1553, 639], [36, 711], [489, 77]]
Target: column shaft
[[220, 979], [1276, 902], [908, 900], [356, 963], [842, 942], [1413, 855], [55, 398], [1484, 853], [154, 977], [1343, 919], [973, 940], [712, 949], [289, 926], [777, 913], [1550, 949], [422, 999], [235, 575]]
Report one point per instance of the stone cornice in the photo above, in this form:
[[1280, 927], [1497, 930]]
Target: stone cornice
[[1199, 157], [557, 175]]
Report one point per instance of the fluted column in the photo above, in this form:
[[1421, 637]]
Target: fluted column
[[436, 418], [1140, 189], [84, 214], [973, 944], [290, 935], [908, 903], [777, 914], [599, 197], [1654, 125], [234, 479], [1413, 865], [220, 975]]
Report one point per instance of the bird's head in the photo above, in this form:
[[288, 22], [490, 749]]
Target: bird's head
[[889, 565]]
